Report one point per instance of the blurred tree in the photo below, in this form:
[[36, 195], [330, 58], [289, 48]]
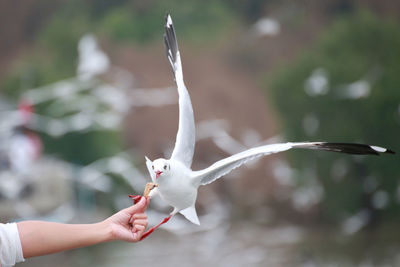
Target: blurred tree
[[346, 89], [140, 21], [251, 10], [54, 55]]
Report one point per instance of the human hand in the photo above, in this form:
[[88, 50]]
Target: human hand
[[130, 223]]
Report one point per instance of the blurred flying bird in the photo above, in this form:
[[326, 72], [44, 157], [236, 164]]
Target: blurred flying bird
[[177, 183], [266, 27], [20, 148], [24, 145], [318, 83], [86, 102], [361, 88], [92, 60]]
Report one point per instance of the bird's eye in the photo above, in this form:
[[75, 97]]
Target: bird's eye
[[165, 167], [152, 166]]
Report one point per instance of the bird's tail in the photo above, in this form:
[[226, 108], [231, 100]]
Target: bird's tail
[[171, 48]]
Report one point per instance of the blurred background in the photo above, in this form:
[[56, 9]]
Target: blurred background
[[86, 93]]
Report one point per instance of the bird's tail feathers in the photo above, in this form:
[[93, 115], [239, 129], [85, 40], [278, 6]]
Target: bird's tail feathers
[[191, 214]]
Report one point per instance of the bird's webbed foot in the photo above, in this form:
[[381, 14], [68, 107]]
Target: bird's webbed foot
[[135, 198]]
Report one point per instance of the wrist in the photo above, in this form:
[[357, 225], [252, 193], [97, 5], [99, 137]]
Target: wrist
[[106, 231]]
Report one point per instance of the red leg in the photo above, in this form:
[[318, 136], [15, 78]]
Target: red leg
[[151, 230], [136, 199]]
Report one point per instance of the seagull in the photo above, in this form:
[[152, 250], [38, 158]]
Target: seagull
[[24, 145], [92, 60], [178, 183]]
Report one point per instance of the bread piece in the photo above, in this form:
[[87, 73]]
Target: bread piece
[[148, 188]]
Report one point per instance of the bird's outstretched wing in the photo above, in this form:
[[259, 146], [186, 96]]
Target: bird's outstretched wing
[[222, 167], [185, 138]]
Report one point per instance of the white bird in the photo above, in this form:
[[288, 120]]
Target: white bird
[[24, 145], [266, 27], [177, 183], [92, 60]]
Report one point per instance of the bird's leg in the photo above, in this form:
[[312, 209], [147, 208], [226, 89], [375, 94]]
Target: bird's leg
[[151, 230], [136, 198]]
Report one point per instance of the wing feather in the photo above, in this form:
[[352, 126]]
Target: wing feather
[[224, 166], [185, 138]]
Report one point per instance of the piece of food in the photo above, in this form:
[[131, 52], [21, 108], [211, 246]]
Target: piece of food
[[148, 188]]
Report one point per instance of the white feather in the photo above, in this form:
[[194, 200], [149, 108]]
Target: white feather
[[169, 21], [191, 214], [379, 149], [224, 166]]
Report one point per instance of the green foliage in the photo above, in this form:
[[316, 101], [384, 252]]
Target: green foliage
[[53, 57], [251, 10], [142, 21], [84, 148], [359, 47]]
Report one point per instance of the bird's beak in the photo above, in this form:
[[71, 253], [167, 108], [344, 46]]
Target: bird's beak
[[158, 173]]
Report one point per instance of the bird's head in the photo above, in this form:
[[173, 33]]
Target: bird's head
[[160, 167]]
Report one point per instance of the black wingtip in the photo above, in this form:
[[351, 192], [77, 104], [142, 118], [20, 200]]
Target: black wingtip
[[170, 42], [354, 148], [390, 151]]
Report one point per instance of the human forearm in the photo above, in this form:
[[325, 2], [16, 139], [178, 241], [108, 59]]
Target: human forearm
[[40, 238]]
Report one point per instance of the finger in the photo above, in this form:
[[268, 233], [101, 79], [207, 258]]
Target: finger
[[138, 207], [135, 237], [139, 228], [140, 222], [139, 216]]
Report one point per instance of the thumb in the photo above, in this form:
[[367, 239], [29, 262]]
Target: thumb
[[138, 207]]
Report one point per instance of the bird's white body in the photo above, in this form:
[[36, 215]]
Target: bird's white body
[[177, 188], [177, 183]]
